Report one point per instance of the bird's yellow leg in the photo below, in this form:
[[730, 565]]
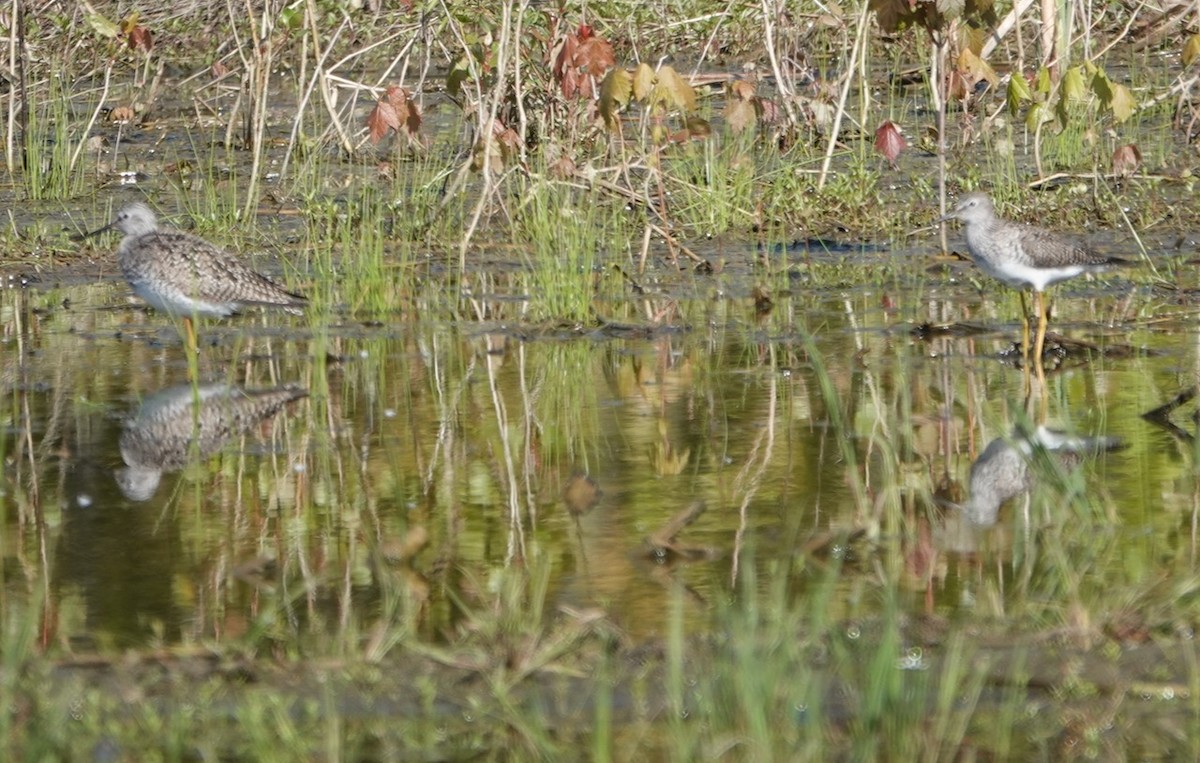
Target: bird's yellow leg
[[1040, 345], [189, 335], [1024, 330]]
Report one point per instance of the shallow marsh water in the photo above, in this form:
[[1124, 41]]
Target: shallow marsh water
[[469, 433]]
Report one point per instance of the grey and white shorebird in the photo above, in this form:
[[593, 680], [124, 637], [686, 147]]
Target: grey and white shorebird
[[177, 424], [1024, 257], [186, 276]]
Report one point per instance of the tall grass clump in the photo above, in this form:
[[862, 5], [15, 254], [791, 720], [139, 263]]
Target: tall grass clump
[[562, 230], [54, 147], [346, 247], [715, 185]]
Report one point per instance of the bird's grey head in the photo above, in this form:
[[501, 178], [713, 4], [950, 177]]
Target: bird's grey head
[[138, 483], [974, 207], [135, 219]]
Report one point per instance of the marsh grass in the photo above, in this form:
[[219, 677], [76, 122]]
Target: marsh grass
[[566, 232], [53, 156], [714, 188], [349, 249]]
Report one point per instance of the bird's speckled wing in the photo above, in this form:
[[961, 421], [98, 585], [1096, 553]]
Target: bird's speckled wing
[[202, 271], [1046, 249]]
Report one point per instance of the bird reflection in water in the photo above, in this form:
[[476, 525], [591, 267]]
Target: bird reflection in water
[[1005, 469], [166, 434]]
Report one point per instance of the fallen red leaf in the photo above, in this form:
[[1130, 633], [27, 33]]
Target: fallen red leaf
[[889, 142]]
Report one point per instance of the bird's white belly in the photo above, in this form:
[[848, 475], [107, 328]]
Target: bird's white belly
[[176, 302], [1021, 276]]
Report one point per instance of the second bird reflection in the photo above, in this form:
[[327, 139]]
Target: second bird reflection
[[166, 433], [1005, 469]]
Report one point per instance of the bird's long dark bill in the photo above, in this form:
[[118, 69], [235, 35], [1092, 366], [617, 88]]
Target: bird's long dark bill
[[97, 232]]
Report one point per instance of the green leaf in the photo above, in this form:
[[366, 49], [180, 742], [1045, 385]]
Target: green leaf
[[1102, 87], [615, 90], [1191, 49], [459, 73], [1073, 86], [1122, 102], [1044, 83], [1062, 112], [291, 18], [1036, 115], [1018, 92]]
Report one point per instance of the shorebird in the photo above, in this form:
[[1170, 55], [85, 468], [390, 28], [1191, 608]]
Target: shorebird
[[185, 422], [1024, 257], [185, 275]]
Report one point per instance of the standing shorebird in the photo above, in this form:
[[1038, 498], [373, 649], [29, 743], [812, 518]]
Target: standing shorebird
[[1023, 256], [184, 275]]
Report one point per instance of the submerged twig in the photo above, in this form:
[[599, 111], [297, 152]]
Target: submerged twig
[[662, 542]]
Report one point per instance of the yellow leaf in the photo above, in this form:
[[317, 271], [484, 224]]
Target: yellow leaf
[[1191, 49], [129, 23], [103, 26], [673, 91], [643, 82], [969, 63], [615, 90]]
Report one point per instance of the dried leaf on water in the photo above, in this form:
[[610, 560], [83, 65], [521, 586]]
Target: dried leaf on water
[[763, 304], [581, 493], [122, 114], [382, 119], [139, 38], [740, 111], [395, 111]]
